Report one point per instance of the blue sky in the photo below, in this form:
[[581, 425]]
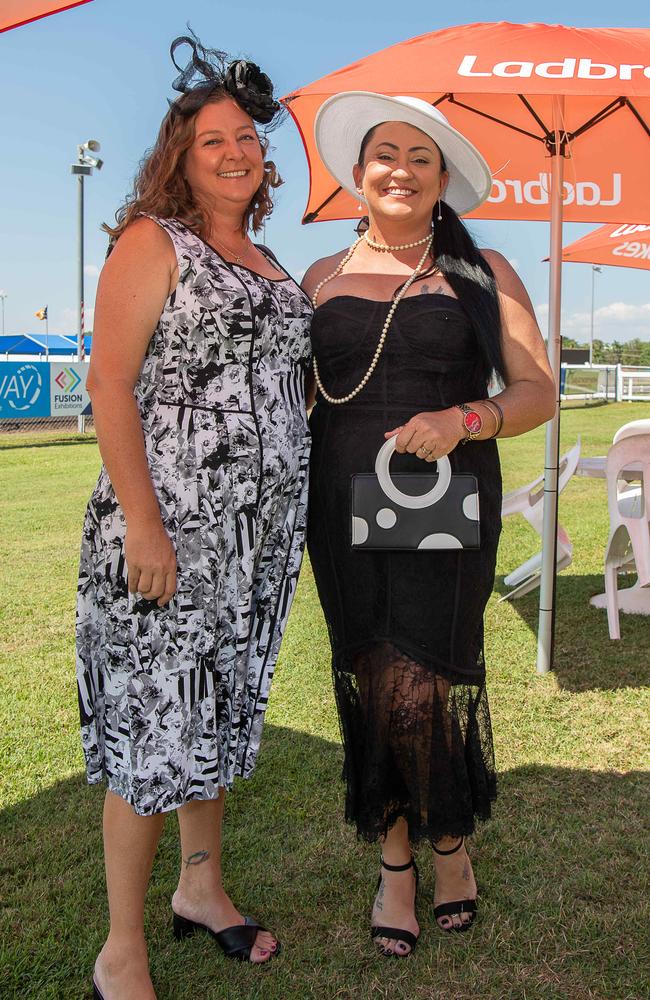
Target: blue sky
[[103, 71]]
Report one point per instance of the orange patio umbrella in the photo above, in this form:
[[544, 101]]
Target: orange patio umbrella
[[626, 245], [499, 84], [561, 114], [14, 13]]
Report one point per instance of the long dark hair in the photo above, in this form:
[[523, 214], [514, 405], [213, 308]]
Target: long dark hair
[[472, 280], [458, 259]]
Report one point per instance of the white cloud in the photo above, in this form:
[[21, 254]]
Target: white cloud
[[67, 321], [625, 313], [91, 271], [620, 321]]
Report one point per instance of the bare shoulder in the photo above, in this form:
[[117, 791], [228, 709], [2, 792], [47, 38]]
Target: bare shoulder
[[501, 266], [507, 279], [143, 258], [144, 237], [320, 269]]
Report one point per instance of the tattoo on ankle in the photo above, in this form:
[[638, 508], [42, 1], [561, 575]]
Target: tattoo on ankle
[[197, 858], [466, 871], [379, 901]]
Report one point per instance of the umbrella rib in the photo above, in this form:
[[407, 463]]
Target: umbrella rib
[[601, 115], [532, 111], [606, 112], [492, 118], [312, 216], [637, 114]]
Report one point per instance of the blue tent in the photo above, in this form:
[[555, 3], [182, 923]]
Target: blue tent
[[88, 337], [35, 344]]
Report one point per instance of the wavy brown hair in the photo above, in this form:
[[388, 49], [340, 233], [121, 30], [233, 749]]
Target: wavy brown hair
[[160, 188]]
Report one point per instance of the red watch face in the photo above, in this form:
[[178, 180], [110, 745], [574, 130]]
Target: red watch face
[[473, 422]]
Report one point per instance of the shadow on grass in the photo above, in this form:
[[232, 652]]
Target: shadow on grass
[[586, 659], [54, 442], [562, 908]]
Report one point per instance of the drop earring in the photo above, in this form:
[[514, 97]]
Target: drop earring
[[439, 211]]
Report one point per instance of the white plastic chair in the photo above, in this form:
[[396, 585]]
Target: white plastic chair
[[628, 545], [632, 428], [528, 501], [595, 467]]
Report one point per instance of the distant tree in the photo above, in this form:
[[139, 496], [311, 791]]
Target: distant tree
[[636, 352], [600, 352], [617, 350]]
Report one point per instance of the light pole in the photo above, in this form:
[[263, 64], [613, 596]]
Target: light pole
[[83, 168], [594, 268], [3, 296]]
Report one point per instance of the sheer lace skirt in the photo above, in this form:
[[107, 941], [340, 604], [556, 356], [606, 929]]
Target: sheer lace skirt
[[416, 745]]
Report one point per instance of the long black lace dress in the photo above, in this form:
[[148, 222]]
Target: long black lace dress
[[406, 628]]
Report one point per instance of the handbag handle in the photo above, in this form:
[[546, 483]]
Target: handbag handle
[[404, 499]]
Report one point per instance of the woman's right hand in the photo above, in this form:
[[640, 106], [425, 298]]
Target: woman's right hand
[[150, 561]]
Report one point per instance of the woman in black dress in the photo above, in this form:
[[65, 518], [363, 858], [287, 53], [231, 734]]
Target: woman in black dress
[[410, 325]]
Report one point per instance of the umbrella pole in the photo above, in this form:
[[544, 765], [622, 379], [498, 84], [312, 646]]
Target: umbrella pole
[[545, 631]]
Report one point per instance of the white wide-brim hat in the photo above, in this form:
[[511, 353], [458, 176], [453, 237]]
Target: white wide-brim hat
[[344, 119]]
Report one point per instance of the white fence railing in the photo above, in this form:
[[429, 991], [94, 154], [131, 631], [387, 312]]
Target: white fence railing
[[613, 382]]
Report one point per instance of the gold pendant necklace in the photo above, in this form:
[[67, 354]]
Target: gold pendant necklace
[[238, 257]]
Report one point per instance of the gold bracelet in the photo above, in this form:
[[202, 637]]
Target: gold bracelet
[[497, 413]]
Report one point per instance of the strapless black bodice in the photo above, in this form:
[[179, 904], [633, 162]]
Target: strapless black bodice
[[406, 628]]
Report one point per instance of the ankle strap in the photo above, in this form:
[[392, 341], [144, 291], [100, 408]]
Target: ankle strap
[[453, 850], [398, 868]]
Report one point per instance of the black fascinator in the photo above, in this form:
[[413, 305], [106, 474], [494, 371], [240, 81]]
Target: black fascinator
[[210, 70]]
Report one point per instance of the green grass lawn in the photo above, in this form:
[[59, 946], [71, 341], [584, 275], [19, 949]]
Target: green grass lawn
[[561, 867]]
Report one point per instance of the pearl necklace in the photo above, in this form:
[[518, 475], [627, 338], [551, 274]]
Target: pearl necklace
[[384, 332], [386, 248]]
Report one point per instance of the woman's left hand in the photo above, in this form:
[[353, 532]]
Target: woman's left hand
[[430, 435]]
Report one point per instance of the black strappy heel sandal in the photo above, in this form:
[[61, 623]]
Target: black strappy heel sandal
[[96, 994], [397, 933], [235, 942], [457, 907]]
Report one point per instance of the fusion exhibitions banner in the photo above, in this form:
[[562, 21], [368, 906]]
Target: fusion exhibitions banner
[[68, 396], [30, 389]]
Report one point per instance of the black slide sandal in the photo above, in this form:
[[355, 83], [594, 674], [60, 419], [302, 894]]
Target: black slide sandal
[[235, 942]]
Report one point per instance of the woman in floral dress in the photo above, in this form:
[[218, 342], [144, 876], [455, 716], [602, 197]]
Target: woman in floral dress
[[194, 533]]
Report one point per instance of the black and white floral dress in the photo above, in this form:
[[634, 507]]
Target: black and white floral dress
[[172, 699]]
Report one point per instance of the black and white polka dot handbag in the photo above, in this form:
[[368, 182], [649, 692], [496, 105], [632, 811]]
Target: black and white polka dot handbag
[[421, 511]]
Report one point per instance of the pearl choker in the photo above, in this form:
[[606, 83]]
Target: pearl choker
[[386, 248]]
